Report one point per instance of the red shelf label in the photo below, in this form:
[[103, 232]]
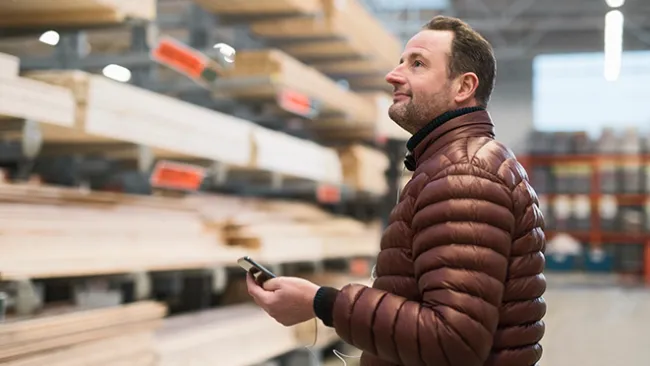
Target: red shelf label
[[178, 176], [180, 57], [328, 194], [295, 102]]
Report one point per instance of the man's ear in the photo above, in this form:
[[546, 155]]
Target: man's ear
[[466, 84]]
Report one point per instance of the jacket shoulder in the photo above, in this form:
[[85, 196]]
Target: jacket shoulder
[[497, 159]]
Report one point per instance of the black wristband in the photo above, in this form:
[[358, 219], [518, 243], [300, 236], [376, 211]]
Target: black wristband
[[324, 304]]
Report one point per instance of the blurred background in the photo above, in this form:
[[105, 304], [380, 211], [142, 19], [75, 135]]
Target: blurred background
[[145, 145]]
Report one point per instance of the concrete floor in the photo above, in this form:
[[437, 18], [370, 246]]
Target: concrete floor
[[594, 321]]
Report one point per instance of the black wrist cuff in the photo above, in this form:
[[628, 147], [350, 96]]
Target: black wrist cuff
[[324, 304]]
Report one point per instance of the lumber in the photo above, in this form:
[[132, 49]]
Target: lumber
[[260, 7], [39, 13], [9, 66], [58, 331], [73, 237], [364, 168], [362, 34], [113, 111], [277, 71], [23, 98], [218, 337], [282, 153]]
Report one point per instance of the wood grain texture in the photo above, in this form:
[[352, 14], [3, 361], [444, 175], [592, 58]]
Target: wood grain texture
[[70, 236], [30, 13], [364, 168], [56, 336]]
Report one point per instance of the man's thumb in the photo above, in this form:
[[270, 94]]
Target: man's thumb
[[272, 284]]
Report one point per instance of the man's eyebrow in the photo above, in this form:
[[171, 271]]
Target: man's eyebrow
[[412, 55]]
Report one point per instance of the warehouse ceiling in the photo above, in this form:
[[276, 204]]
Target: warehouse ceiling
[[524, 28]]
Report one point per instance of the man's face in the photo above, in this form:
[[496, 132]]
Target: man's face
[[422, 89]]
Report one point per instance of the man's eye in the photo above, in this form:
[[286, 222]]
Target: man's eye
[[417, 63]]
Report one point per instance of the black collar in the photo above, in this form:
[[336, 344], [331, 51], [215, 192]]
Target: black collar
[[409, 160], [437, 122]]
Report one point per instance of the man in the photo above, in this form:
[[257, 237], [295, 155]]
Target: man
[[459, 275]]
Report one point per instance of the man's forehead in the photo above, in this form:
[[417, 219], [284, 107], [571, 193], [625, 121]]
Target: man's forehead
[[428, 42]]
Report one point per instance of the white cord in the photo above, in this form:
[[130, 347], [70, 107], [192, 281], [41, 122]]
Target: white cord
[[317, 361]]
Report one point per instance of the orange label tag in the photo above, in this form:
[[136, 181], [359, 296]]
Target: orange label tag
[[326, 193], [295, 103], [179, 176], [179, 57]]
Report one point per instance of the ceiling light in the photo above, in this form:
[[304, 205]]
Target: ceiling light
[[50, 37], [117, 72], [614, 22]]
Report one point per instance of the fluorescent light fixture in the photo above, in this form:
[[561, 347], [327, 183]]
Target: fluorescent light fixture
[[117, 72], [614, 22], [227, 51], [615, 3], [50, 37]]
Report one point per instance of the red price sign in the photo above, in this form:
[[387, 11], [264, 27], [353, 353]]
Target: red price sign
[[328, 194], [180, 57], [294, 102], [178, 176]]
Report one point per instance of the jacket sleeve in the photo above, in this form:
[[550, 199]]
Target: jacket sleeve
[[462, 228]]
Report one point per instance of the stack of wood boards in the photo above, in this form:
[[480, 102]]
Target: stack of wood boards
[[276, 231], [28, 99], [260, 7], [240, 335], [294, 157], [277, 71], [39, 13], [57, 232], [364, 169], [379, 128], [121, 335], [348, 30], [109, 111]]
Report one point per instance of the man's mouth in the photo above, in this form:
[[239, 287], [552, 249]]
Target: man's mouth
[[400, 96]]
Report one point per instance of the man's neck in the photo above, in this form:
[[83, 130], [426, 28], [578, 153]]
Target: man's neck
[[437, 122]]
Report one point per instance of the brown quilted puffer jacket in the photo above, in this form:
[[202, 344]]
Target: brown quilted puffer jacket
[[459, 276]]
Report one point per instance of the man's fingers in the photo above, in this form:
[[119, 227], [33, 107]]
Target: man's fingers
[[258, 293]]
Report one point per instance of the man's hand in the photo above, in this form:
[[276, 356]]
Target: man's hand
[[289, 300]]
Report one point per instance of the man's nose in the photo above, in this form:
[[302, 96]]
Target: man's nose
[[395, 77]]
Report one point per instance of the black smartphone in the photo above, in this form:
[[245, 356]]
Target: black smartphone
[[258, 271]]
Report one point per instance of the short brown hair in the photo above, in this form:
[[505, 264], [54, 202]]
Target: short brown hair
[[470, 52]]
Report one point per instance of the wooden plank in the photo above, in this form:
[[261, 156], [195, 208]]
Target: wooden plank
[[210, 337], [348, 21], [38, 101], [9, 66], [249, 7], [278, 71], [364, 168], [23, 337], [112, 110], [34, 13], [282, 153]]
